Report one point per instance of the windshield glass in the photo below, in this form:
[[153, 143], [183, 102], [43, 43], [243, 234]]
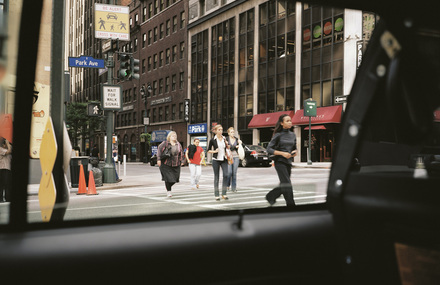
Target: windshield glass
[[148, 93]]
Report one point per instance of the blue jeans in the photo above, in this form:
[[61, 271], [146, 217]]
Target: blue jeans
[[216, 167], [232, 171]]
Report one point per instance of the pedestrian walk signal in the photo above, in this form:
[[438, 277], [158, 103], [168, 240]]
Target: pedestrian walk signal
[[93, 110], [124, 71]]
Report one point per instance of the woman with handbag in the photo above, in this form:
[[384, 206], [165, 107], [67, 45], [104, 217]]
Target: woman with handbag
[[283, 146], [169, 159], [218, 147], [234, 144]]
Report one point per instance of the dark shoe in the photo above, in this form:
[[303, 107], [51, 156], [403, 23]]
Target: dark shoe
[[225, 197], [119, 180], [270, 201]]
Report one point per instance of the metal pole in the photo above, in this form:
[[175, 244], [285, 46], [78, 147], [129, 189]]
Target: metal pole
[[309, 149], [109, 171], [57, 108]]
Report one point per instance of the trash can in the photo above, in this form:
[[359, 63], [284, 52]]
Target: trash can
[[75, 167]]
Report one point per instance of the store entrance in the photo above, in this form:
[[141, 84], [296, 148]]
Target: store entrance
[[322, 145]]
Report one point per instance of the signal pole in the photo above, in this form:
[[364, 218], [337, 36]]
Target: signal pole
[[109, 171]]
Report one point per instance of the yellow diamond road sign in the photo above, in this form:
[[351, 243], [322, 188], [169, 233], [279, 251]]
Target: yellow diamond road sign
[[48, 153], [112, 22]]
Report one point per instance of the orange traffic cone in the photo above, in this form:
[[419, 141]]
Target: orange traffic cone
[[82, 188], [92, 188]]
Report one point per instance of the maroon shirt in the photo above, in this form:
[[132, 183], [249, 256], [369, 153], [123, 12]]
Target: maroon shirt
[[174, 160]]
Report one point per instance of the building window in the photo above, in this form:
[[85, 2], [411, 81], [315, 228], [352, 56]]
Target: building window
[[182, 80], [161, 59], [167, 56], [173, 112], [150, 10], [161, 31], [144, 14], [160, 114], [155, 34], [182, 50], [160, 86], [174, 24], [167, 113], [143, 66], [154, 115], [135, 44], [173, 83], [150, 36], [174, 55], [144, 39], [155, 61], [322, 53], [154, 88], [168, 27], [182, 19], [180, 110], [167, 84], [149, 63]]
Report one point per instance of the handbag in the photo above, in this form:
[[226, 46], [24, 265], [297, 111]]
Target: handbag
[[241, 153], [166, 153], [229, 156]]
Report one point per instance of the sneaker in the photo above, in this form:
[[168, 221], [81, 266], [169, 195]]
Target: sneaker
[[169, 194], [225, 197], [197, 186], [217, 198]]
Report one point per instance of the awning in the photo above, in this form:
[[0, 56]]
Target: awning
[[267, 120], [324, 115], [316, 127]]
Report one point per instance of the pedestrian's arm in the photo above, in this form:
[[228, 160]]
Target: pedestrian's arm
[[186, 154], [211, 145], [8, 145]]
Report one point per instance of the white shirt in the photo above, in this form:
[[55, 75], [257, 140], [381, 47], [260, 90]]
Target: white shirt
[[221, 149]]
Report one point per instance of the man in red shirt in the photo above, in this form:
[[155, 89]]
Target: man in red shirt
[[194, 155]]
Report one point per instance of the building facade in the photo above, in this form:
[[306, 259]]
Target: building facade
[[158, 40], [250, 61]]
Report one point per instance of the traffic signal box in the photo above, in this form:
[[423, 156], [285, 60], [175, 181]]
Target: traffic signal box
[[124, 71], [134, 67]]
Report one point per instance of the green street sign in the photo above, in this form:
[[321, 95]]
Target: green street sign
[[310, 108]]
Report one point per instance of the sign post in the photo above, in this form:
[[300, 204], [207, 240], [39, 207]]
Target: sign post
[[310, 111], [111, 101], [111, 22]]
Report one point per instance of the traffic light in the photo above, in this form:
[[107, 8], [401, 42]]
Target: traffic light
[[124, 71], [134, 67]]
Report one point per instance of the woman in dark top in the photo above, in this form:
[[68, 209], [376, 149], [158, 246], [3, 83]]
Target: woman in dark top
[[232, 169], [217, 146], [170, 166], [283, 146]]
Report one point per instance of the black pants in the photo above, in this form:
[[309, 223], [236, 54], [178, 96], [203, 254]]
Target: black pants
[[168, 185], [5, 185], [285, 188]]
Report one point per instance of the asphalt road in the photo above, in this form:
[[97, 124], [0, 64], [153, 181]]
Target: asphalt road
[[143, 193]]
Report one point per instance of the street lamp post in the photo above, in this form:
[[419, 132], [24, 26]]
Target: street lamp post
[[143, 91]]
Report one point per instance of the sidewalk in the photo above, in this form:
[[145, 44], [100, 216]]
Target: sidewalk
[[138, 181]]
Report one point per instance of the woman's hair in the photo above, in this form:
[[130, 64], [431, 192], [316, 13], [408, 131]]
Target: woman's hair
[[215, 128], [170, 134], [230, 129], [196, 139], [278, 126]]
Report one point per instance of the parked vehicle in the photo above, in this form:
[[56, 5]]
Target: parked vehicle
[[255, 155]]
